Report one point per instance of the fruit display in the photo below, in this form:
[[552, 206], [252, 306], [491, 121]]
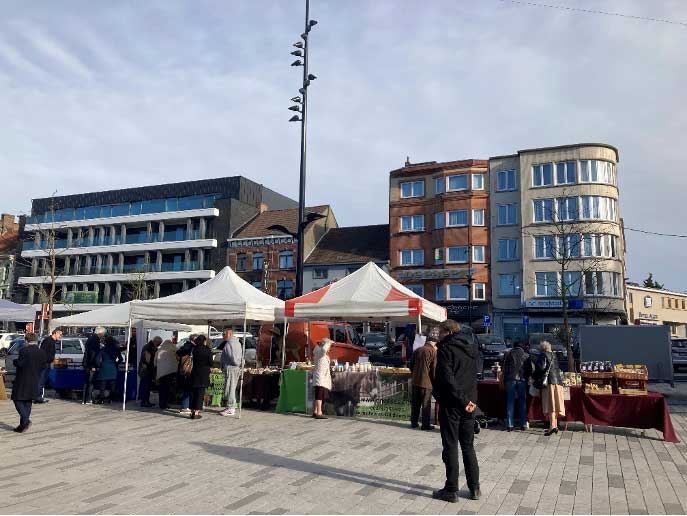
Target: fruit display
[[572, 380], [593, 388]]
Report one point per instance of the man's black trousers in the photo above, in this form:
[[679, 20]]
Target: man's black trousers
[[421, 401], [458, 426]]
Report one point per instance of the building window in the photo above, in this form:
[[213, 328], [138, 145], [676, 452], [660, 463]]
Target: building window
[[241, 260], [412, 223], [506, 214], [594, 283], [508, 249], [457, 292], [573, 283], [569, 246], [478, 217], [416, 289], [599, 208], [257, 262], [670, 303], [439, 185], [479, 291], [458, 254], [284, 289], [505, 181], [648, 302], [479, 253], [440, 293], [546, 284], [286, 259], [566, 172], [320, 273], [439, 255], [412, 257], [509, 284], [542, 175], [439, 220], [568, 208], [457, 218], [544, 247], [478, 181], [412, 189], [543, 210], [257, 284], [456, 183], [596, 171]]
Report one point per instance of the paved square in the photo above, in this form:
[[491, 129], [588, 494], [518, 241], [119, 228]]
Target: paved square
[[95, 459]]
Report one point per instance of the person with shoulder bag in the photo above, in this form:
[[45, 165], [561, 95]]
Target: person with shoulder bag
[[200, 374], [515, 381], [548, 380], [184, 374]]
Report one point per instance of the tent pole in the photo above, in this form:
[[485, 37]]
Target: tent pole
[[283, 346], [243, 366], [126, 365]]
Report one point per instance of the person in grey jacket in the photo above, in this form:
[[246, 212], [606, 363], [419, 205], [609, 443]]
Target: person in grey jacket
[[230, 362]]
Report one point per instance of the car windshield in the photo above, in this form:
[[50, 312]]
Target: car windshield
[[16, 346], [375, 337], [71, 346], [680, 343]]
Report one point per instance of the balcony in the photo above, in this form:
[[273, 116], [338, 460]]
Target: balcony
[[129, 272]]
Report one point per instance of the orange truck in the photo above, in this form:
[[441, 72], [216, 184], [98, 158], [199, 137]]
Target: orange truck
[[348, 345]]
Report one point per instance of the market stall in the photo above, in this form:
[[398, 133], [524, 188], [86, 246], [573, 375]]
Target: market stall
[[369, 294], [14, 312]]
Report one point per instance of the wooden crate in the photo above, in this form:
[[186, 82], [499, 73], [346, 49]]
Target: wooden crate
[[632, 392]]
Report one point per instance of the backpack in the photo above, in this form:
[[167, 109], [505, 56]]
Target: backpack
[[186, 365]]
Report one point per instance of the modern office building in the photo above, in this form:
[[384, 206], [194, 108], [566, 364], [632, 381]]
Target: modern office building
[[439, 234], [651, 306], [109, 247], [264, 251], [344, 250], [554, 205]]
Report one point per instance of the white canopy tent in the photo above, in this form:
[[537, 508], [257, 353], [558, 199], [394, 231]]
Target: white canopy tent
[[226, 297], [10, 311]]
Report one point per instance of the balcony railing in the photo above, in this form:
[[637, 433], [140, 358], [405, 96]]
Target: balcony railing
[[135, 238]]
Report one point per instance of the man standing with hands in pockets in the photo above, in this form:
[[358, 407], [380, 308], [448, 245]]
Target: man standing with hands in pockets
[[455, 389]]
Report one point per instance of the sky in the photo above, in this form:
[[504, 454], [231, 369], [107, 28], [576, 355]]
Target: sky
[[104, 95]]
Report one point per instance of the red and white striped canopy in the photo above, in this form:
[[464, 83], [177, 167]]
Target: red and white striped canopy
[[368, 293]]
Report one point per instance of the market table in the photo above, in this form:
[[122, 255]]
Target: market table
[[261, 388], [641, 412], [292, 391]]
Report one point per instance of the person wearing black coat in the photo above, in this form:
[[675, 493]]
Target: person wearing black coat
[[48, 345], [200, 375], [89, 363], [30, 365], [515, 375], [184, 382], [455, 389]]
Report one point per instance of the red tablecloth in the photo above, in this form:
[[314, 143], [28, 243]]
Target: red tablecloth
[[650, 411]]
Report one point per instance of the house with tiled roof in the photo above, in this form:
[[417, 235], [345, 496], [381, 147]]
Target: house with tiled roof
[[8, 248], [344, 250], [264, 251]]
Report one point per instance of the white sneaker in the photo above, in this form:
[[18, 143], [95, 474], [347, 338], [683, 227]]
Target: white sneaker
[[185, 411], [227, 412]]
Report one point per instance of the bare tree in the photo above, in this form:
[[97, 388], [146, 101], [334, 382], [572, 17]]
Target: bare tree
[[137, 287], [576, 246]]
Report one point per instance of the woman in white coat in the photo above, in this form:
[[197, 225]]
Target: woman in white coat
[[322, 377]]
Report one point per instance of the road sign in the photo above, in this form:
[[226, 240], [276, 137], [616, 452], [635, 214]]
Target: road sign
[[525, 320], [487, 320]]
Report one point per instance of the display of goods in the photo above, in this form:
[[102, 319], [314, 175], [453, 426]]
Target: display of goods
[[572, 379], [596, 367], [593, 388], [263, 370], [215, 370], [631, 379], [394, 370], [395, 408], [631, 371]]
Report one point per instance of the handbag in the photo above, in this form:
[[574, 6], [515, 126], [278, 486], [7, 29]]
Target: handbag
[[544, 380], [534, 392], [186, 366]]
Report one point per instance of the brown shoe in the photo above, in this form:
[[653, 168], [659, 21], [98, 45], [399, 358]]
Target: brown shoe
[[321, 417]]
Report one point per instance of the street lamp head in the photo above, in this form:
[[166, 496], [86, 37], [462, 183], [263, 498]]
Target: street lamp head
[[297, 53], [297, 62], [304, 35], [296, 99], [295, 108], [298, 44], [312, 23], [294, 118], [301, 91], [311, 77]]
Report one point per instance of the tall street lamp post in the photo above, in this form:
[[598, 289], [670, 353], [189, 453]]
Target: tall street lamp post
[[301, 106]]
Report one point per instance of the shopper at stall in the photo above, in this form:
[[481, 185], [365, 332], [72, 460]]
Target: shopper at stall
[[422, 364], [184, 374], [93, 345], [230, 362], [166, 364], [48, 345], [133, 348], [200, 374], [515, 376], [322, 376], [146, 371], [30, 365], [455, 389], [547, 377], [106, 364]]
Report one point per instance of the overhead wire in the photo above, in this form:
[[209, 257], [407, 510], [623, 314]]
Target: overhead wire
[[655, 233]]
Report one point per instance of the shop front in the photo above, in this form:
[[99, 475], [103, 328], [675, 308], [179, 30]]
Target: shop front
[[460, 311]]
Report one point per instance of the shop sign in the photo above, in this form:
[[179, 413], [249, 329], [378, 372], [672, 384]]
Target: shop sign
[[434, 274], [544, 303], [456, 310], [649, 317]]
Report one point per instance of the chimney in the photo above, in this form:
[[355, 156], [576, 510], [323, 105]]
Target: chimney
[[407, 161], [7, 223]]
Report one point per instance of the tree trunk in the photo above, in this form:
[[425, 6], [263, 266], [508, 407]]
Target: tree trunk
[[566, 322]]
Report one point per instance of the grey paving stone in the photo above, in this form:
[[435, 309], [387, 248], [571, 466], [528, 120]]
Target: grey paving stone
[[383, 446], [509, 454], [599, 448], [386, 459], [42, 489], [586, 460], [637, 511], [568, 487], [368, 490], [245, 500], [625, 454], [435, 452], [100, 508], [682, 468], [519, 487], [425, 470], [107, 494], [169, 489], [163, 458], [616, 481], [673, 508], [664, 457], [525, 510]]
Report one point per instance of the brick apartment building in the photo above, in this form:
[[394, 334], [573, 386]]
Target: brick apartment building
[[8, 224], [267, 257], [439, 234]]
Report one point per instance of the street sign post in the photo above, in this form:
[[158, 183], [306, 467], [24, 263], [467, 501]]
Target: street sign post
[[487, 320]]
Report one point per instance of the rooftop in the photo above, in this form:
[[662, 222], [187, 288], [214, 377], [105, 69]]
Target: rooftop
[[8, 242], [287, 218], [561, 147], [357, 244], [441, 165]]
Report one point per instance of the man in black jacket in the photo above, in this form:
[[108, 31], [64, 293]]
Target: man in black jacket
[[89, 363], [48, 345], [455, 389], [30, 365]]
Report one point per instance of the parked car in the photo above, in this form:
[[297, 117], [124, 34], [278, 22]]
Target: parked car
[[492, 349], [70, 348], [375, 340], [679, 349], [251, 348], [6, 340]]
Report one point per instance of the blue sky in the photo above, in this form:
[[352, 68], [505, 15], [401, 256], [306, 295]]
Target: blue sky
[[101, 95]]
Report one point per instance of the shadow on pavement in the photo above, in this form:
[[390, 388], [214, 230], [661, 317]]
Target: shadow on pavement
[[255, 456]]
